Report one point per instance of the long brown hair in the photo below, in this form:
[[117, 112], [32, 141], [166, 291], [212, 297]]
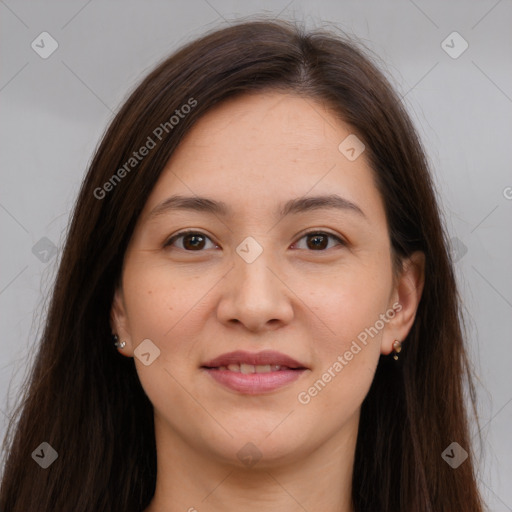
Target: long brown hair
[[86, 401]]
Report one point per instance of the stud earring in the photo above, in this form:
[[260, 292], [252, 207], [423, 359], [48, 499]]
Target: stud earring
[[397, 347], [117, 343]]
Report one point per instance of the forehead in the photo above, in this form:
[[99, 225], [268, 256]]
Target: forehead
[[252, 122], [264, 148]]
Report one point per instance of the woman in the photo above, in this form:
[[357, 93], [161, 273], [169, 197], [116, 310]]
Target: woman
[[255, 308]]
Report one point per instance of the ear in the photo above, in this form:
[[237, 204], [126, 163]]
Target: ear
[[119, 323], [405, 299]]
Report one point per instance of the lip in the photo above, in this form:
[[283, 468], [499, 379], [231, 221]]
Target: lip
[[255, 358], [254, 383]]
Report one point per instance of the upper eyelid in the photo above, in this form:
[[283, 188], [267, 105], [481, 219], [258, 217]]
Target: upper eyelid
[[321, 231], [180, 234], [186, 232]]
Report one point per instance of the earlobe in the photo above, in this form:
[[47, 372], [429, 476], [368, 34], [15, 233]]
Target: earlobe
[[407, 293]]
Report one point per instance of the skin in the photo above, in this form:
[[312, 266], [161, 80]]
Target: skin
[[254, 153]]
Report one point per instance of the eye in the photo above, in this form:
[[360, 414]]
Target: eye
[[191, 241], [196, 241], [319, 240]]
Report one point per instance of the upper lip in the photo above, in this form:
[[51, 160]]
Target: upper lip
[[255, 358]]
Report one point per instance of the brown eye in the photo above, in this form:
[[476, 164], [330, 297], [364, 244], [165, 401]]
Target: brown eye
[[190, 241], [319, 240], [193, 242]]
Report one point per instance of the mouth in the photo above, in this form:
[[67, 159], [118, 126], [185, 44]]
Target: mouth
[[254, 362], [254, 373], [248, 369]]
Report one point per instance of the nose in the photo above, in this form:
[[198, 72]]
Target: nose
[[255, 295]]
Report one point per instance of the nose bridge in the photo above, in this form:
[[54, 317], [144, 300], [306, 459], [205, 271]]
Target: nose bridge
[[255, 295], [252, 258], [252, 272]]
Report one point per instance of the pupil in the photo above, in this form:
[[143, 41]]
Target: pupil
[[196, 241], [322, 244]]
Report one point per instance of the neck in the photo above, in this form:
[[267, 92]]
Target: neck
[[193, 481]]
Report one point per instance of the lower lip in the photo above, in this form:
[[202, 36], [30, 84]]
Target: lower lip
[[254, 383]]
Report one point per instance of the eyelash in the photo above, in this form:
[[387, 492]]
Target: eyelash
[[175, 237]]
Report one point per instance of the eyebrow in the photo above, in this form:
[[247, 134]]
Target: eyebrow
[[293, 206]]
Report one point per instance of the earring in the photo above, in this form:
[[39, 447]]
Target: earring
[[117, 343], [397, 347]]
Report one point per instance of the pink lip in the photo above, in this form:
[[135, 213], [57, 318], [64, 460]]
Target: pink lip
[[254, 383], [259, 358]]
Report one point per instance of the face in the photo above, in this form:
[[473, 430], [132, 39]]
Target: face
[[286, 253]]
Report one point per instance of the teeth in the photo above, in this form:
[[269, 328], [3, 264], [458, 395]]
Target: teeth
[[251, 368], [247, 368]]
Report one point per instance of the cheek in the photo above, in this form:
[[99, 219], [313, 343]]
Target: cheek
[[168, 306], [348, 304], [347, 349], [159, 299], [345, 359], [162, 305]]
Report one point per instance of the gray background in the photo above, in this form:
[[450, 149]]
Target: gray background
[[55, 110]]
